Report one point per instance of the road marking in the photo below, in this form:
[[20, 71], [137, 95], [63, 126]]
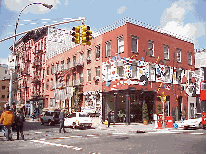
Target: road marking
[[163, 132], [197, 133], [119, 133], [59, 145]]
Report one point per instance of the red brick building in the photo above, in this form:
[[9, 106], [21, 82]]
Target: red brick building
[[137, 64], [128, 64]]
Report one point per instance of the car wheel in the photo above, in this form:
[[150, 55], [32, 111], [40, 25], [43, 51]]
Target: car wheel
[[42, 123], [200, 125]]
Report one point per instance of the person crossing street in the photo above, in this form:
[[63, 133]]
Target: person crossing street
[[62, 118], [19, 120], [7, 118]]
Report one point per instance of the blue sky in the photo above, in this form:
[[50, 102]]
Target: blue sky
[[184, 17]]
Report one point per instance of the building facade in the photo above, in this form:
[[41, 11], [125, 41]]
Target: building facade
[[126, 65]]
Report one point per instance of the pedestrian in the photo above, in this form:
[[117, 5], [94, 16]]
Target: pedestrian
[[62, 119], [19, 120], [7, 118], [109, 118], [33, 116]]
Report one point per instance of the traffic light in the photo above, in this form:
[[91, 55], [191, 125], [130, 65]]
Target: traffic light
[[76, 35], [86, 35]]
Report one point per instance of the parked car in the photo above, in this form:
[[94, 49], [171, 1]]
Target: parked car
[[78, 119], [193, 123], [50, 117]]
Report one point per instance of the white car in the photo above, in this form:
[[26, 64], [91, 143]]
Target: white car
[[78, 119], [192, 123]]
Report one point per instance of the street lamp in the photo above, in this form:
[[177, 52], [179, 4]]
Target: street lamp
[[14, 53]]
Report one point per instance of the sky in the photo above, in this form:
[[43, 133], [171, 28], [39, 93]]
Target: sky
[[182, 17]]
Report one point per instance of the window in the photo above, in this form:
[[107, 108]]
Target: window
[[167, 74], [121, 71], [98, 51], [89, 54], [120, 44], [81, 77], [135, 44], [166, 52], [151, 48], [152, 69], [108, 74], [89, 74], [190, 77], [68, 63], [81, 57], [3, 87], [134, 70], [48, 70], [52, 84], [67, 80], [108, 49], [47, 85], [3, 96], [74, 79], [5, 71], [178, 75], [62, 65], [189, 58], [98, 71], [74, 61], [178, 55], [53, 69]]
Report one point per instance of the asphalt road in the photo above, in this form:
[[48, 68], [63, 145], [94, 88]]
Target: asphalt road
[[46, 139]]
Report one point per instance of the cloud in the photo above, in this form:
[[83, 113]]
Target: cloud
[[18, 5], [172, 20], [121, 10]]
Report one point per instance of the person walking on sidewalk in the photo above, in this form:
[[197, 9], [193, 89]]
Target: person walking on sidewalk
[[19, 120], [109, 118], [62, 119], [7, 118]]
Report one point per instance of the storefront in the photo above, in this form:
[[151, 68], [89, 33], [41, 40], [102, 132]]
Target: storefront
[[126, 105]]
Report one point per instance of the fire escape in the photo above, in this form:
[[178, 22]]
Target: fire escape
[[36, 80]]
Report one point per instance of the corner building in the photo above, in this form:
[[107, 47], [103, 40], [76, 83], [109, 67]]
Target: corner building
[[128, 64]]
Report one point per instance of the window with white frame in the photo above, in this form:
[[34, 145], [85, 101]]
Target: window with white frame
[[166, 51], [120, 44], [190, 77], [167, 74], [81, 57], [53, 69], [134, 44], [178, 55], [134, 70], [67, 80], [98, 71], [108, 49], [151, 48], [189, 58], [178, 75], [152, 72], [120, 71], [89, 53], [108, 69], [98, 51], [89, 74]]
